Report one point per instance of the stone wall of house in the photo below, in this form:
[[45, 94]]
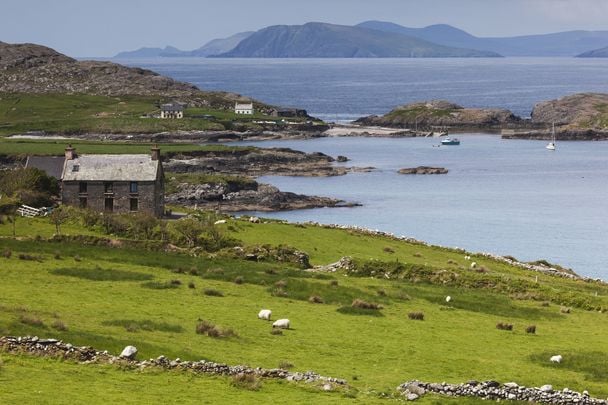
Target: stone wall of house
[[149, 196]]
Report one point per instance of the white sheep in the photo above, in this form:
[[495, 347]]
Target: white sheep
[[467, 257], [218, 222], [473, 265], [265, 314], [281, 323], [448, 299], [556, 359]]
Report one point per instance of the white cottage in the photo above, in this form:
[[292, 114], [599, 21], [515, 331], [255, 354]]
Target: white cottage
[[242, 108], [172, 110]]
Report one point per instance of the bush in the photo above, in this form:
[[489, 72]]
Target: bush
[[7, 253], [270, 271], [57, 255], [545, 304], [285, 365], [333, 283], [531, 329], [504, 326], [246, 381], [388, 249], [31, 321], [59, 325], [194, 271], [213, 293], [315, 299], [416, 316], [191, 285], [175, 282], [239, 280], [281, 284], [382, 292], [359, 303], [209, 329], [77, 258]]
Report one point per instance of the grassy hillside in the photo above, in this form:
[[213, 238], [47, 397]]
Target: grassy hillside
[[128, 302], [80, 114]]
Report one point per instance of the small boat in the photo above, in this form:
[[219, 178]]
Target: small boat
[[551, 145], [450, 141]]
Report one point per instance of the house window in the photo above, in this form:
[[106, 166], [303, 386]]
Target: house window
[[82, 187], [134, 202], [109, 205], [82, 202], [108, 187], [133, 187]]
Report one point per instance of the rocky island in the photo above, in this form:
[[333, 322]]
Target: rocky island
[[423, 170]]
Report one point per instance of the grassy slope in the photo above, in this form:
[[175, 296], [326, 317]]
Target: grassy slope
[[79, 113], [450, 345]]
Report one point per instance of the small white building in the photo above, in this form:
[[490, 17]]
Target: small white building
[[242, 108], [172, 110]]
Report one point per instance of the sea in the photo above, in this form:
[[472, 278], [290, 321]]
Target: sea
[[510, 197]]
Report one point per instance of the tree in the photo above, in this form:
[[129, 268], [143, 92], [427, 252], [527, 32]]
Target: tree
[[58, 216], [190, 229]]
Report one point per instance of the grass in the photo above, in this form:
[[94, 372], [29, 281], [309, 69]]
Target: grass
[[382, 351]]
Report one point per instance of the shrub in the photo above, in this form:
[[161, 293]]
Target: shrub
[[416, 316], [59, 325], [285, 365], [209, 329], [213, 293], [333, 283], [191, 285], [194, 271], [158, 285], [276, 332], [531, 329], [382, 292], [77, 258], [179, 270], [281, 284], [315, 299], [359, 303], [7, 253], [239, 280], [270, 271], [388, 249], [31, 321], [246, 381], [57, 255], [545, 304], [25, 256], [504, 326], [175, 282]]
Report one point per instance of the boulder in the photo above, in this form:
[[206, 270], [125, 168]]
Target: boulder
[[129, 352]]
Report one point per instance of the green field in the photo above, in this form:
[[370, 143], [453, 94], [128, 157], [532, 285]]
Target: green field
[[110, 297], [73, 114]]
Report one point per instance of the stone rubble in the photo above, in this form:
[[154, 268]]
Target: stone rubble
[[87, 355], [492, 390]]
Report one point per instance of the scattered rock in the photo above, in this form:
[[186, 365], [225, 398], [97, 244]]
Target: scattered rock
[[423, 170]]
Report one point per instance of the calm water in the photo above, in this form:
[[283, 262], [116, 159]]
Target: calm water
[[508, 197], [345, 89]]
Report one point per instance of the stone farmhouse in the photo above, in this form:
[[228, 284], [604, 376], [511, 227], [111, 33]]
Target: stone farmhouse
[[108, 183], [172, 110], [242, 108]]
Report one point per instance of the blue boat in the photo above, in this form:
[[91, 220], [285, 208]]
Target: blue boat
[[450, 141]]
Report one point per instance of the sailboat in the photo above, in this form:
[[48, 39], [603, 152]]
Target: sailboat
[[551, 145]]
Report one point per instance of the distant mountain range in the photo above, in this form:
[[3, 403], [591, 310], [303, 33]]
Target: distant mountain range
[[372, 39]]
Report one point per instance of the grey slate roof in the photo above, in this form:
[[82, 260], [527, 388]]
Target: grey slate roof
[[52, 165], [111, 168], [172, 107]]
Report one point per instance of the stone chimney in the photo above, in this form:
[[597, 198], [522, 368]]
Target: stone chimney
[[70, 153], [155, 152]]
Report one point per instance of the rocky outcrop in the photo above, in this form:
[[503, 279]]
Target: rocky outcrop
[[441, 113], [423, 170], [495, 391], [31, 68], [255, 162], [577, 111], [54, 348], [263, 197]]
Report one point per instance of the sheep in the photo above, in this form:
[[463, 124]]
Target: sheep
[[265, 314], [448, 299], [281, 323], [473, 265], [218, 222], [556, 359], [467, 257]]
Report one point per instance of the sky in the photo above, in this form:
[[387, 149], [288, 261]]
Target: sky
[[100, 28]]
